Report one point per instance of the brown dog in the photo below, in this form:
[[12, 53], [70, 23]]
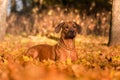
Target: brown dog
[[64, 49]]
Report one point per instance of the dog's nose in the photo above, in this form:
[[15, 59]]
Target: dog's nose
[[71, 31]]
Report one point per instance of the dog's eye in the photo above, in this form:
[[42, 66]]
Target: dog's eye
[[66, 27], [74, 26]]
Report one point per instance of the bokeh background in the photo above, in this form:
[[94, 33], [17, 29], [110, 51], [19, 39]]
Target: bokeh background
[[31, 17]]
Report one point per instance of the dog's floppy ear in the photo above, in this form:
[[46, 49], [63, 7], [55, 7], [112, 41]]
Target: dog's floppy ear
[[59, 26], [78, 27]]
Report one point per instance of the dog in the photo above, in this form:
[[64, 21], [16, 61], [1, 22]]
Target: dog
[[63, 50]]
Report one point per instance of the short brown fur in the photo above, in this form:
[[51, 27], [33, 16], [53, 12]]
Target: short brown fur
[[64, 49]]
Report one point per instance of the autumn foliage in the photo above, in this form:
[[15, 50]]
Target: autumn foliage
[[96, 61]]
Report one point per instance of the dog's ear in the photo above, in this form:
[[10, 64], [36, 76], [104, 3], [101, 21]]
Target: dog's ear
[[59, 26], [78, 27]]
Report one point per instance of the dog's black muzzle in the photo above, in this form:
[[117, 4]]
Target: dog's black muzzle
[[70, 34]]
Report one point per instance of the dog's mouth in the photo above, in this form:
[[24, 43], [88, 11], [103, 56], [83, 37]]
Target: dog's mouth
[[70, 35]]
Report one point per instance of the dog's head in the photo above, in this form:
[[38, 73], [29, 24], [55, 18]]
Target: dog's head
[[69, 29]]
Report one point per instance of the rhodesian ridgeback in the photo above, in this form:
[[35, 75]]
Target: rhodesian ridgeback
[[63, 50]]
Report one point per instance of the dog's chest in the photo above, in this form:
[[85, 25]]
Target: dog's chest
[[63, 54]]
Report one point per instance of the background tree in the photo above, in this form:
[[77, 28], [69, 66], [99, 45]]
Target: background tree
[[114, 38], [3, 10]]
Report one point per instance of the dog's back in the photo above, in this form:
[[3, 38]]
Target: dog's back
[[43, 52]]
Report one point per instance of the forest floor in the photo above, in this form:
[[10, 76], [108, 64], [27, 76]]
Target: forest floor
[[96, 60]]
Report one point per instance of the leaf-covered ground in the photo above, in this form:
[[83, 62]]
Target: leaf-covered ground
[[96, 60]]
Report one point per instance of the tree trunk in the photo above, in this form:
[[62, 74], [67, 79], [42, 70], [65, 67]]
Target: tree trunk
[[114, 37], [3, 11]]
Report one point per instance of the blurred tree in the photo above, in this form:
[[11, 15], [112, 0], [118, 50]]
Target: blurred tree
[[18, 5], [9, 7], [3, 11], [114, 38]]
